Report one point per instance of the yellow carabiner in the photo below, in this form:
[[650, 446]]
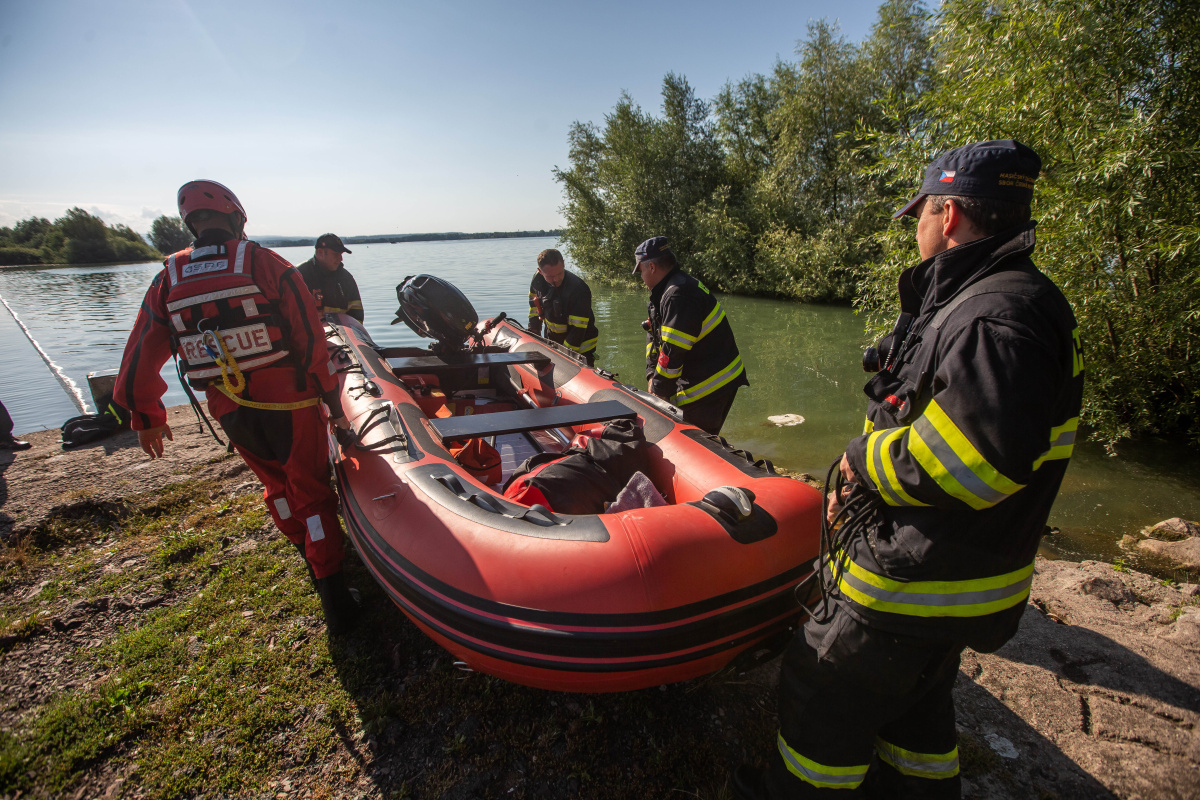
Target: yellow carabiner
[[238, 385]]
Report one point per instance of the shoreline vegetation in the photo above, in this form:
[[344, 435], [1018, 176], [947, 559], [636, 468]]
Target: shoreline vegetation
[[160, 639], [38, 242], [783, 184]]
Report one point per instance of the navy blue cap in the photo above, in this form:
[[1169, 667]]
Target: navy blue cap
[[649, 250], [1002, 169]]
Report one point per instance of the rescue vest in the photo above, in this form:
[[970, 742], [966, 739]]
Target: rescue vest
[[217, 312]]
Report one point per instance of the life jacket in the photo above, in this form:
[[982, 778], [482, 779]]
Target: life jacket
[[212, 293]]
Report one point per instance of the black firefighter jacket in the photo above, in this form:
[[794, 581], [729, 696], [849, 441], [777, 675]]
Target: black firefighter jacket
[[690, 350], [566, 310], [966, 442]]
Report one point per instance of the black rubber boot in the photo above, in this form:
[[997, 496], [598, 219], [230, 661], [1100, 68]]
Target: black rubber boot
[[312, 577], [340, 604]]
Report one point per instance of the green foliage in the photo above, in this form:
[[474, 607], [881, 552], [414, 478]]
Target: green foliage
[[783, 185], [169, 234], [1113, 108], [767, 194], [640, 177], [77, 237]]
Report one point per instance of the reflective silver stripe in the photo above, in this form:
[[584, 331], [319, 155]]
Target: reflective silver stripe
[[919, 765], [954, 465], [172, 273], [212, 296], [820, 775], [250, 363], [281, 508], [205, 252], [955, 599], [315, 531], [177, 321], [241, 257], [250, 307]]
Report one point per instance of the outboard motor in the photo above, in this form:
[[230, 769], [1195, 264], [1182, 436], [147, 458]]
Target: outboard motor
[[437, 310]]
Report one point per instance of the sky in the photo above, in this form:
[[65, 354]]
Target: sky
[[358, 118]]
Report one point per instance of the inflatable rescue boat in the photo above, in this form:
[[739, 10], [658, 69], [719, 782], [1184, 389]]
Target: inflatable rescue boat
[[605, 601]]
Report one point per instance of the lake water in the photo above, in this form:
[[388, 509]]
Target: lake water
[[801, 359]]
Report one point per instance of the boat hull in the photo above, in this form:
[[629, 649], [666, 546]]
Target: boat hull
[[588, 603]]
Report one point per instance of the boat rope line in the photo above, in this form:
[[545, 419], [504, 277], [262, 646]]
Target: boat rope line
[[69, 385]]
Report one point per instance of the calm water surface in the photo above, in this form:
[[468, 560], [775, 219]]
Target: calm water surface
[[801, 360]]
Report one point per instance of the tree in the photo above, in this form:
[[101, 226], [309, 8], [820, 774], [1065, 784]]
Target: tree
[[638, 177], [169, 234], [86, 237], [1108, 92]]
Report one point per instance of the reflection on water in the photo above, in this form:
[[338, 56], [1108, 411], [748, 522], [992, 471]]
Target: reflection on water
[[801, 360]]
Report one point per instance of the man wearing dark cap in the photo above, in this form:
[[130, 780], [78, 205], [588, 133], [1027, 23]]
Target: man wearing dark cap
[[330, 282], [971, 420], [563, 301], [692, 359]]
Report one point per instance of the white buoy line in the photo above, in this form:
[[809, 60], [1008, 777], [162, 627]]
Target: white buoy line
[[69, 385]]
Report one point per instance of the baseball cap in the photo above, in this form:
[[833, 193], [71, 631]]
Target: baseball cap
[[332, 242], [650, 249], [1002, 169]]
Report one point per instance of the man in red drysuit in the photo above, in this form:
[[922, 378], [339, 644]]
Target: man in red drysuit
[[244, 327]]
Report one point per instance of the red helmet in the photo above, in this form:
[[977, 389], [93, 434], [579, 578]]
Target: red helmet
[[197, 195]]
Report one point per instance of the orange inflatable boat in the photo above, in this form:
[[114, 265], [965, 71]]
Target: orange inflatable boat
[[573, 602]]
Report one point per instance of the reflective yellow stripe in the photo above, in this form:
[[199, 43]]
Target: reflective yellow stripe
[[953, 462], [1062, 442], [588, 346], [533, 312], [578, 322], [822, 776], [678, 338], [711, 321], [970, 598], [555, 326], [649, 347], [919, 765], [356, 304], [669, 374], [883, 472], [868, 426], [703, 389]]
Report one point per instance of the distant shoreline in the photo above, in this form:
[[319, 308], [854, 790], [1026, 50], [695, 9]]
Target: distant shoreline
[[404, 238], [309, 241]]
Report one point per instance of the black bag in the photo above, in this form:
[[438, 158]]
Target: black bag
[[581, 481], [88, 428]]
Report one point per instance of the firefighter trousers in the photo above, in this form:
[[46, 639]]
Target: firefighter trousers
[[289, 452], [865, 713]]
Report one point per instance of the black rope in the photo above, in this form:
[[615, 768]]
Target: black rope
[[858, 511]]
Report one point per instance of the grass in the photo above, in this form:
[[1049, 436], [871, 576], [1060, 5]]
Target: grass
[[231, 685]]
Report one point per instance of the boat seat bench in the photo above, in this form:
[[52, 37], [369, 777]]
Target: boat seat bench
[[402, 363], [529, 419]]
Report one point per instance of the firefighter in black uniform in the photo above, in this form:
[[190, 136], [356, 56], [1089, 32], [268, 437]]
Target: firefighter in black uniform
[[563, 301], [692, 359], [330, 282], [971, 420]]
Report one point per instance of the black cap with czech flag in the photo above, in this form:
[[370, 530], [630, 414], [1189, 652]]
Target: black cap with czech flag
[[1002, 169], [651, 249]]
